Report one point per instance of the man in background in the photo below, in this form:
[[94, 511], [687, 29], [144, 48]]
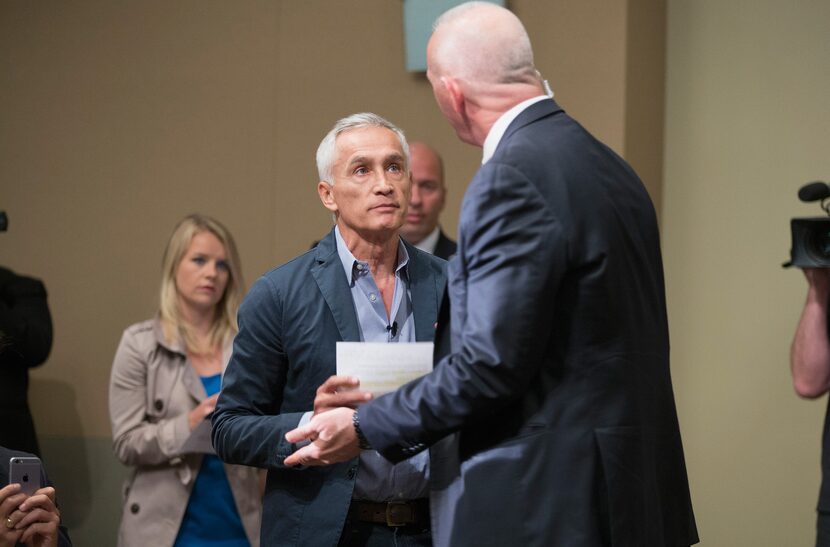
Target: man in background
[[25, 343], [426, 202]]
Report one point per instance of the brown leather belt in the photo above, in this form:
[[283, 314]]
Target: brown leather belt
[[392, 513]]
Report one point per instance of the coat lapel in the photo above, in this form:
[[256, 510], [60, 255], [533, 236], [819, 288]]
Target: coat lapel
[[425, 294], [331, 280], [190, 379], [192, 382]]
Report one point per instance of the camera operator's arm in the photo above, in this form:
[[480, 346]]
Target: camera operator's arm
[[810, 352]]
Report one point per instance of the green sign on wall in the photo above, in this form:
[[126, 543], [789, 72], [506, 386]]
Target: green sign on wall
[[418, 16]]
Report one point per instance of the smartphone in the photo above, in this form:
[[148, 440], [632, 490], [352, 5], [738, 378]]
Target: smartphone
[[25, 471]]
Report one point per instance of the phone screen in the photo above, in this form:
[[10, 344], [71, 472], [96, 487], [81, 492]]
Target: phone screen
[[26, 472]]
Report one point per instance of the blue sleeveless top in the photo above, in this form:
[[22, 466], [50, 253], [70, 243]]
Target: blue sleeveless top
[[211, 517]]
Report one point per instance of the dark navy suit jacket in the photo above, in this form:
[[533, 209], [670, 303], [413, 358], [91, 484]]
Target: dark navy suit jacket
[[556, 383], [289, 324]]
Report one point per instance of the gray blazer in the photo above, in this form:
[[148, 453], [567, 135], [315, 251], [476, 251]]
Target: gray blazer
[[289, 324], [152, 389]]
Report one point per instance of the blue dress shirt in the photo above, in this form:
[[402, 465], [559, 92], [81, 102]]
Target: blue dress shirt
[[377, 478]]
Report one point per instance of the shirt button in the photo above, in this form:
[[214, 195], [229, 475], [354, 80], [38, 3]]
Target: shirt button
[[373, 297], [360, 267], [134, 508]]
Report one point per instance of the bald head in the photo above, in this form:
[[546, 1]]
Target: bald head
[[480, 65], [427, 195], [481, 43]]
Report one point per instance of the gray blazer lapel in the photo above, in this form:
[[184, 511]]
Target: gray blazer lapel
[[423, 284], [328, 273]]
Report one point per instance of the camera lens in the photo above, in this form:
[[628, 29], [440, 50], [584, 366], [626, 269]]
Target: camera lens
[[819, 243]]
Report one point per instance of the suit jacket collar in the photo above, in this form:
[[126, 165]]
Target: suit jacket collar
[[534, 112], [499, 127], [328, 273]]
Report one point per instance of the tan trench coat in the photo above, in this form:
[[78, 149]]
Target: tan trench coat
[[152, 389]]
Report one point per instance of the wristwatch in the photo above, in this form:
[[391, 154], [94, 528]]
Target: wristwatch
[[362, 441]]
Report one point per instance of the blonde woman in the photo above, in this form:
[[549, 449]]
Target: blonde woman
[[164, 384]]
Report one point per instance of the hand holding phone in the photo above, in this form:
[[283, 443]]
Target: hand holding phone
[[26, 471]]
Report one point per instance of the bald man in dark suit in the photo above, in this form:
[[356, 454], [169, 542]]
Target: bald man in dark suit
[[550, 412]]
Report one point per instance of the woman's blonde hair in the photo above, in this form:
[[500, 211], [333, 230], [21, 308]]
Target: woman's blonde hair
[[224, 325]]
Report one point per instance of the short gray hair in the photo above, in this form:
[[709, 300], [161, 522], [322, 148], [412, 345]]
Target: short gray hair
[[326, 150]]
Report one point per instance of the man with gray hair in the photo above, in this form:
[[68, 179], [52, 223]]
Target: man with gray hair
[[551, 414], [360, 283]]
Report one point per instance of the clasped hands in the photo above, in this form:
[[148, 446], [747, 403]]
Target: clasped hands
[[331, 429], [32, 520]]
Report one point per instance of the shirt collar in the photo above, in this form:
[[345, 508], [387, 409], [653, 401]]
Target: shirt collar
[[501, 125], [350, 262], [429, 243]]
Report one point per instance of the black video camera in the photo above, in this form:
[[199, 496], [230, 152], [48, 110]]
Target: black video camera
[[811, 236]]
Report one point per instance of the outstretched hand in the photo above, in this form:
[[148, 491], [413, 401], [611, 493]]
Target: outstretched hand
[[333, 439], [339, 391]]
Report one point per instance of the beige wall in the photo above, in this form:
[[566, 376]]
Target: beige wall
[[747, 123], [119, 118], [645, 63]]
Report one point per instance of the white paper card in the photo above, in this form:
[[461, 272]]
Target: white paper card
[[383, 367]]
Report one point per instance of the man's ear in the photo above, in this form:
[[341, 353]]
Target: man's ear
[[456, 96], [324, 190], [459, 102]]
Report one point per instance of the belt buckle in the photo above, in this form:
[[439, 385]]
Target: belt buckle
[[399, 513]]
